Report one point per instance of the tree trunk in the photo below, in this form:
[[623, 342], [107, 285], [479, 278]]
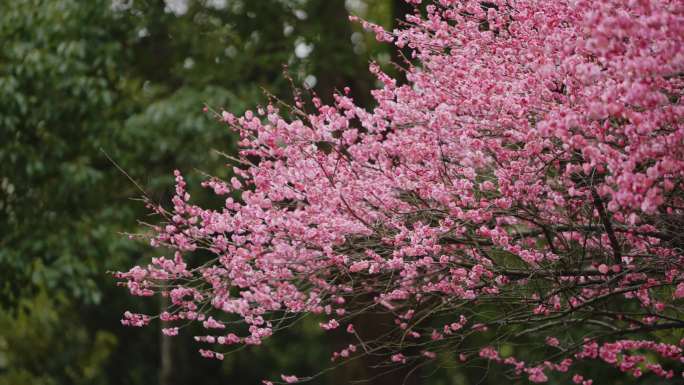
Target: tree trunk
[[336, 63], [400, 8]]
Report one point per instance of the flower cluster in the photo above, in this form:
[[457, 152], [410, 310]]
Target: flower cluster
[[532, 164]]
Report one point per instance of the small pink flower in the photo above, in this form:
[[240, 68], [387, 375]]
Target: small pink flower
[[289, 379], [170, 331], [552, 341], [398, 358], [679, 291], [537, 375]]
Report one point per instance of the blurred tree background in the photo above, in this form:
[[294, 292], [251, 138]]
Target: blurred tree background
[[82, 81]]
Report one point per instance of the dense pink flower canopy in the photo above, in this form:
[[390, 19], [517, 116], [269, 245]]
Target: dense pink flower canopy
[[525, 184]]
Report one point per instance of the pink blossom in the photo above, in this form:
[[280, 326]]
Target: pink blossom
[[527, 174], [536, 375], [289, 378], [552, 341], [398, 358], [170, 331], [679, 291]]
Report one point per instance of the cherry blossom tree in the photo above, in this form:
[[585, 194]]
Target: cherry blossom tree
[[523, 188]]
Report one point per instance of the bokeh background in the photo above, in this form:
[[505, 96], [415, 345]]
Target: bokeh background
[[82, 81]]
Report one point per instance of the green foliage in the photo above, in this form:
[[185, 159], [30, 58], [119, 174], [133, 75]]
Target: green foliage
[[57, 93], [38, 347]]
